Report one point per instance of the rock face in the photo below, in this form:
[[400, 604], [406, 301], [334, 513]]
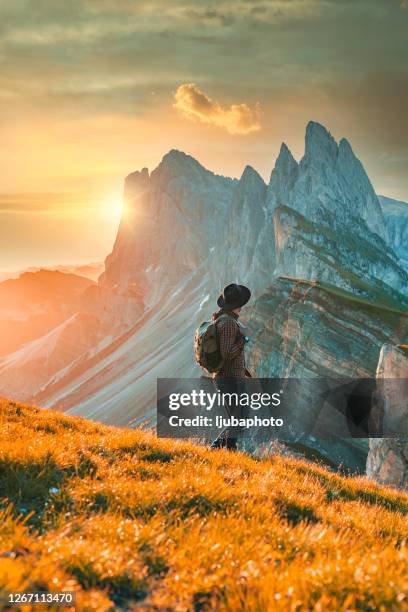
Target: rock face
[[313, 245], [396, 219], [317, 219], [245, 237], [173, 223], [328, 222], [303, 329], [387, 459]]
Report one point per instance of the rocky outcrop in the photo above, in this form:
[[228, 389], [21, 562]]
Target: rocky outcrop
[[304, 329], [387, 459]]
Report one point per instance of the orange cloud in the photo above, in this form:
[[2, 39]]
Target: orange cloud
[[197, 106]]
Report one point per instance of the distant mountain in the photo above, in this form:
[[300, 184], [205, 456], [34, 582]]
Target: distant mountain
[[92, 270], [51, 320], [314, 245], [36, 302]]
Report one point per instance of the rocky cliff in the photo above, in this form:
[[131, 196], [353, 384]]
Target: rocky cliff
[[396, 219], [328, 222], [317, 219], [303, 329], [174, 222]]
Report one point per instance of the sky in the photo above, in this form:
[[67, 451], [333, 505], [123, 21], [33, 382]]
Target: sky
[[91, 90]]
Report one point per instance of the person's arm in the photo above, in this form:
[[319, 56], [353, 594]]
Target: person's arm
[[230, 345]]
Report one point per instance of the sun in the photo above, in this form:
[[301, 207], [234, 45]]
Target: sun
[[113, 208], [118, 208]]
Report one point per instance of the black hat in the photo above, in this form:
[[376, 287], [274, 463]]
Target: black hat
[[233, 296]]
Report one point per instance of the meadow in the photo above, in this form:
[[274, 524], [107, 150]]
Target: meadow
[[132, 522]]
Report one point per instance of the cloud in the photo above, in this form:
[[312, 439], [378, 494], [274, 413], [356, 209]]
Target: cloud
[[197, 106], [211, 15]]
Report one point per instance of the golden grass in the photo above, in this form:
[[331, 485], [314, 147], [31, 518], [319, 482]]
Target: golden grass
[[133, 522]]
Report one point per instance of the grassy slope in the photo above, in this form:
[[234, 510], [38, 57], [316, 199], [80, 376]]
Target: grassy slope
[[123, 517]]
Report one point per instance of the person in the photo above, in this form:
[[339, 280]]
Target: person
[[232, 340]]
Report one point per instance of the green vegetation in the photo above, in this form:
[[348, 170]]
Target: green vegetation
[[329, 238]]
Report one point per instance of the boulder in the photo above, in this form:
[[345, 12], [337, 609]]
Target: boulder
[[387, 460]]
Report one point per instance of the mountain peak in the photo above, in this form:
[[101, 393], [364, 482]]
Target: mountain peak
[[283, 177], [136, 183], [317, 130], [176, 163], [175, 154], [285, 157], [319, 143], [345, 149], [251, 184], [285, 152], [250, 174], [175, 158], [138, 175]]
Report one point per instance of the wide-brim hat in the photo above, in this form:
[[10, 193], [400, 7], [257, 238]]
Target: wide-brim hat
[[233, 296]]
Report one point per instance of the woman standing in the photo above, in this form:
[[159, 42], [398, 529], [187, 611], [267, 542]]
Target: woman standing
[[232, 340]]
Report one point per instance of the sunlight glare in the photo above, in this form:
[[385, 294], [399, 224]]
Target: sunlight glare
[[114, 208]]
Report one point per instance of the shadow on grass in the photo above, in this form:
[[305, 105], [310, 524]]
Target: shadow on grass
[[36, 488], [183, 505], [335, 489], [122, 588], [295, 513], [27, 485], [145, 451]]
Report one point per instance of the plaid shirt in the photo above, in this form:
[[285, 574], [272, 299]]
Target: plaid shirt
[[231, 348]]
